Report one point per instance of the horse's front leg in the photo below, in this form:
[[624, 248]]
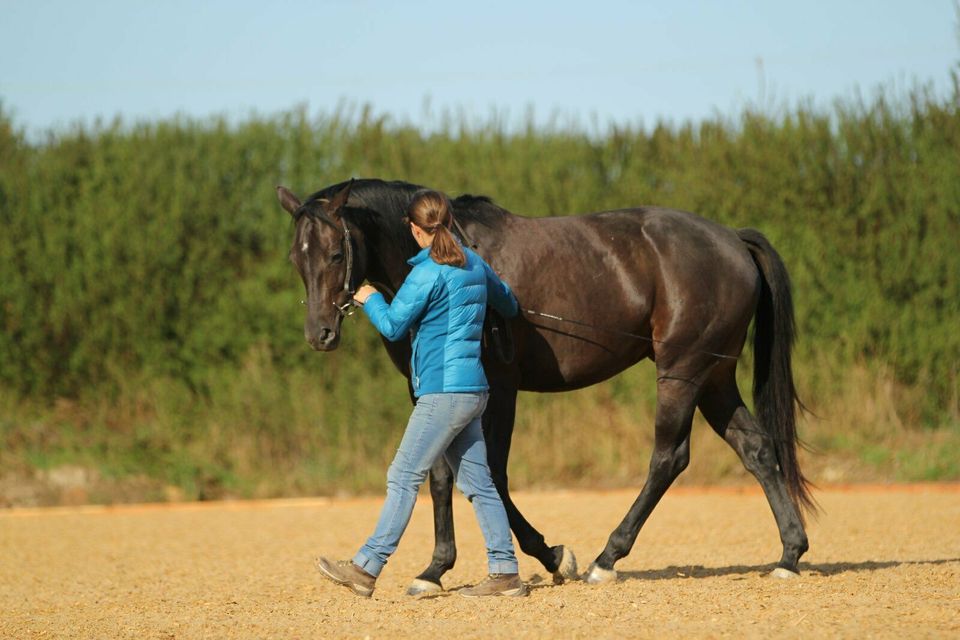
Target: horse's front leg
[[445, 546], [498, 422]]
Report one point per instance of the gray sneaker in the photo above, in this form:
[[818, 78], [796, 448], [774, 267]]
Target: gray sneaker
[[497, 584], [345, 573]]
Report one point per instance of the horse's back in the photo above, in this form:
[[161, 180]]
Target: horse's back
[[651, 245], [671, 275]]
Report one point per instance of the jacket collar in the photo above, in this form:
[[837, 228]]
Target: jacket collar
[[423, 255]]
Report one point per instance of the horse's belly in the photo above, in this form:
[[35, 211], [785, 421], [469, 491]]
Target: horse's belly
[[562, 357]]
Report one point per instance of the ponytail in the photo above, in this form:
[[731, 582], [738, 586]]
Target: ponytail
[[446, 249], [431, 211]]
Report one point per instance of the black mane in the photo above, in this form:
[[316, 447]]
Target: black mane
[[468, 199], [481, 210], [383, 203], [377, 195], [373, 204]]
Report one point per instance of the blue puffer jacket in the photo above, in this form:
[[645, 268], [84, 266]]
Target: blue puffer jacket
[[444, 306]]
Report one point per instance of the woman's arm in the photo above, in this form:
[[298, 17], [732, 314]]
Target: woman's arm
[[393, 321]]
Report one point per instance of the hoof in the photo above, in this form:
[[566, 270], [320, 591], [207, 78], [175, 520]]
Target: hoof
[[421, 587], [598, 575], [783, 574], [567, 569]]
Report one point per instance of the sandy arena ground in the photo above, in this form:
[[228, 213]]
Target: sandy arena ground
[[884, 562]]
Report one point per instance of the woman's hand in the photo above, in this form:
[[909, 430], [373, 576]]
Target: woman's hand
[[363, 293]]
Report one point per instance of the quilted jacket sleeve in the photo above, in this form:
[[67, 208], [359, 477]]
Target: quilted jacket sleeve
[[394, 321], [499, 295]]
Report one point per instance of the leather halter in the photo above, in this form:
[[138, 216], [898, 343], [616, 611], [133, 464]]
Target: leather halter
[[345, 309]]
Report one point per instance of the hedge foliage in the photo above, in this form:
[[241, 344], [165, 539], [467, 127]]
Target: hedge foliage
[[157, 250]]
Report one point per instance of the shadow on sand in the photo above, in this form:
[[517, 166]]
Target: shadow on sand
[[822, 569], [675, 572]]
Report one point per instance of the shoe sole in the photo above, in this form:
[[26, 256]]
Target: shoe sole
[[360, 590]]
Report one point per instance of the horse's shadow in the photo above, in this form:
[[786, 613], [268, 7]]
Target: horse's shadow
[[821, 569], [826, 569]]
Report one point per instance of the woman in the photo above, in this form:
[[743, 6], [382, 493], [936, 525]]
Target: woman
[[443, 301]]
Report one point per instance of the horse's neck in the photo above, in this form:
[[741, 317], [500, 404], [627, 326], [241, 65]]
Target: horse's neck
[[388, 249], [479, 232], [387, 254]]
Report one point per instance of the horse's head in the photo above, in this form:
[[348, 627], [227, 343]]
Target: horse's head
[[324, 254]]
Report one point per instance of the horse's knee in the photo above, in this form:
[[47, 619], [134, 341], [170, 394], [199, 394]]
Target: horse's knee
[[441, 486]]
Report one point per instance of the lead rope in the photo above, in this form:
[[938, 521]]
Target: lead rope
[[624, 333]]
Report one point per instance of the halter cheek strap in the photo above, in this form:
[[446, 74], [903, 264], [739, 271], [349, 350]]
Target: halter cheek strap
[[348, 254], [344, 309]]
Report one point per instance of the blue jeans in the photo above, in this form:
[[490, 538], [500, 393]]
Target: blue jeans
[[445, 424]]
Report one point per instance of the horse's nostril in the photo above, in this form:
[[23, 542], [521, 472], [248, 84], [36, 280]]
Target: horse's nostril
[[326, 337]]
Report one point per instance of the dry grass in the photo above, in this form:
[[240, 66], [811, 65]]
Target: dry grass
[[264, 434]]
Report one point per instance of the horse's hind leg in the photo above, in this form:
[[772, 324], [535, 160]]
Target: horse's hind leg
[[445, 546], [498, 422], [676, 399], [723, 408]]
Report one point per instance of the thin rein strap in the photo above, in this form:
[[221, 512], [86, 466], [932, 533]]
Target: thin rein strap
[[463, 234], [624, 333]]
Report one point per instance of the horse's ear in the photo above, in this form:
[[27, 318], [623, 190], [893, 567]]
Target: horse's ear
[[288, 201], [333, 207]]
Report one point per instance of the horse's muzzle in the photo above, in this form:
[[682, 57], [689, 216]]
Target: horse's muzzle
[[324, 340]]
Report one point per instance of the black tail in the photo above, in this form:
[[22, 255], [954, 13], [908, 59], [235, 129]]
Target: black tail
[[774, 395]]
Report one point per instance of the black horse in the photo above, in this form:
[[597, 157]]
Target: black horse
[[619, 286]]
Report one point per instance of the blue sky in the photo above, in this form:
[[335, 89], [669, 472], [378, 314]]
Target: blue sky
[[598, 61]]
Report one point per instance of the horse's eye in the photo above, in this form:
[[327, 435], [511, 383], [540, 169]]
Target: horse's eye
[[336, 258]]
